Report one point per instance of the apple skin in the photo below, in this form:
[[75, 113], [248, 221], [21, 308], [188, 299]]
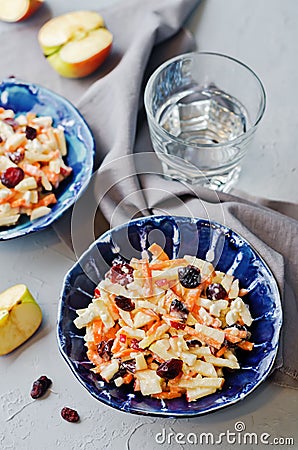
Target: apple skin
[[20, 317], [3, 317], [31, 7], [80, 69]]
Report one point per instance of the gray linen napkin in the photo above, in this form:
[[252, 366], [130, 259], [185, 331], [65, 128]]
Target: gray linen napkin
[[127, 183]]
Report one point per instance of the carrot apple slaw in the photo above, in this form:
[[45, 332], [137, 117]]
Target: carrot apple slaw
[[31, 165], [169, 326]]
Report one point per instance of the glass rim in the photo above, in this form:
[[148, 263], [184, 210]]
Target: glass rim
[[188, 55]]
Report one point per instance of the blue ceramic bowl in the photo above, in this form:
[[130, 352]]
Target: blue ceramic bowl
[[178, 236], [23, 97]]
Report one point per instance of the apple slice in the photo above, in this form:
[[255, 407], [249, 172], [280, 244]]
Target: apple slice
[[75, 44], [4, 314], [17, 10], [20, 316]]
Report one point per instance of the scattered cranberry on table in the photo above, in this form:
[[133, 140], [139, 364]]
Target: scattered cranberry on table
[[70, 415], [40, 387]]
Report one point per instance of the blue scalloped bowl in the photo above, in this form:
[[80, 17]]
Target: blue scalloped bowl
[[23, 97], [178, 236]]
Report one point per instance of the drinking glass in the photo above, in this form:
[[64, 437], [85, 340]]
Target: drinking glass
[[203, 110]]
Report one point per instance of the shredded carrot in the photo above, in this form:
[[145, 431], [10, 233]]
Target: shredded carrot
[[168, 395], [110, 334], [196, 315], [171, 318], [232, 339], [36, 164], [221, 351], [160, 265], [8, 198], [49, 199], [148, 277], [148, 325], [136, 386], [149, 312], [125, 352], [235, 338], [92, 353], [97, 327], [128, 378], [190, 296], [20, 202], [158, 252], [202, 337], [113, 308], [116, 345], [177, 289], [246, 345], [243, 292], [153, 328]]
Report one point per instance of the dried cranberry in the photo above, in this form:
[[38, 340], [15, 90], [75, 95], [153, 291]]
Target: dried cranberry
[[119, 260], [189, 276], [12, 176], [104, 349], [179, 309], [170, 369], [70, 415], [40, 387], [216, 291], [194, 343], [121, 274], [1, 140], [213, 350], [31, 133], [124, 303], [129, 366], [124, 368], [134, 343], [240, 327], [17, 156]]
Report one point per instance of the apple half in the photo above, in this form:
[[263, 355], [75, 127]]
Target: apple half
[[75, 44], [18, 10], [20, 317]]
